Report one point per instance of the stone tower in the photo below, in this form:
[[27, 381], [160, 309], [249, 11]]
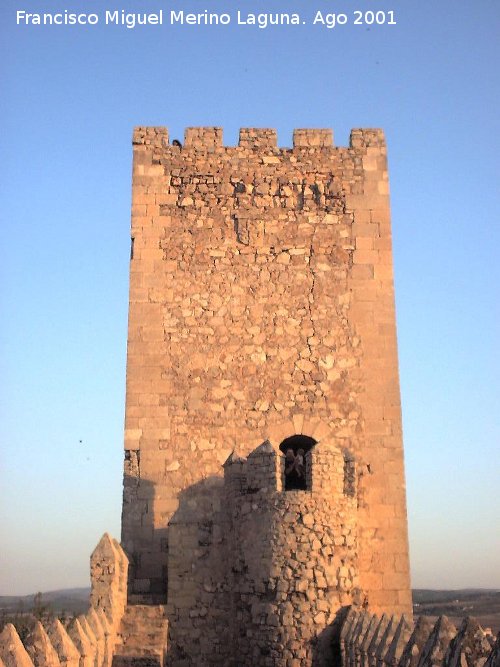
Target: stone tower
[[262, 311]]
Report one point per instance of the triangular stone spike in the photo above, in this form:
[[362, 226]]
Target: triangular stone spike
[[82, 643], [413, 649], [357, 637], [12, 650], [109, 637], [348, 622], [375, 640], [385, 641], [108, 573], [362, 655], [353, 636], [87, 628], [265, 448], [347, 634], [437, 644], [98, 630], [399, 641], [234, 457], [470, 647], [494, 657], [69, 656], [40, 649]]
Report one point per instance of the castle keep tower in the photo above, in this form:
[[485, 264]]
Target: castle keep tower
[[262, 321]]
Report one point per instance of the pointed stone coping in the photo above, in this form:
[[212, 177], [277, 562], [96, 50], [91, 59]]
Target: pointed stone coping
[[107, 547], [377, 635], [265, 449], [69, 656], [96, 647], [413, 649], [108, 635], [40, 649], [386, 639], [370, 630], [399, 641], [348, 623], [359, 631], [233, 458], [82, 643], [96, 623], [12, 651], [470, 643], [437, 644], [346, 644]]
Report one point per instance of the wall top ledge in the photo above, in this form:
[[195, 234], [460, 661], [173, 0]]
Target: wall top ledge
[[211, 138]]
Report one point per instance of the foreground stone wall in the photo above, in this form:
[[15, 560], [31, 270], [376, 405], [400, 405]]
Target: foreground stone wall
[[261, 306], [374, 641], [91, 639]]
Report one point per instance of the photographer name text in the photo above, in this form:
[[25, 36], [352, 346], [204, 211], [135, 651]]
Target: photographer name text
[[131, 21]]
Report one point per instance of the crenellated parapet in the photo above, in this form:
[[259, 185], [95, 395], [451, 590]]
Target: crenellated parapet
[[253, 138], [95, 638], [366, 641]]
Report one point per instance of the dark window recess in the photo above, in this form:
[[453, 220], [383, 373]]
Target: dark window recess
[[295, 449], [132, 248]]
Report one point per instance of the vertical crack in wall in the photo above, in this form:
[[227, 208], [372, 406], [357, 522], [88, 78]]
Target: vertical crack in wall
[[310, 296]]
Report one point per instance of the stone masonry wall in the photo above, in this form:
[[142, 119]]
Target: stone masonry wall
[[259, 579], [294, 562], [261, 306]]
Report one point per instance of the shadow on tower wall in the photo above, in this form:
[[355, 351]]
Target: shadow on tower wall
[[255, 573], [145, 544]]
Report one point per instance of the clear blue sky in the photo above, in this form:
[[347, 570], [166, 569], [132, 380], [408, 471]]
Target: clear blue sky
[[69, 99]]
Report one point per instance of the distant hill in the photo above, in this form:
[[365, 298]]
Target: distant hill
[[428, 595], [74, 600], [483, 604]]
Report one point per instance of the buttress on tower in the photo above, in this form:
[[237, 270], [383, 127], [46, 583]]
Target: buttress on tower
[[262, 320]]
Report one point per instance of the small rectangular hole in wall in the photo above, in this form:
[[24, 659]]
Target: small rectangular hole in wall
[[132, 247]]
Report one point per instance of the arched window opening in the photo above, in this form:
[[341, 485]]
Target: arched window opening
[[297, 473]]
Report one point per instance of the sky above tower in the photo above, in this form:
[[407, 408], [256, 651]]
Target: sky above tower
[[426, 72]]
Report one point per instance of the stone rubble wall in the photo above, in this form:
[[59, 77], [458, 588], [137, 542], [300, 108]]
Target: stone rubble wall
[[261, 301], [294, 559], [90, 639], [367, 640]]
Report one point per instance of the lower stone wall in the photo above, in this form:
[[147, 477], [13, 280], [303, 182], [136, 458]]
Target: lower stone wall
[[367, 640], [89, 640], [112, 634]]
